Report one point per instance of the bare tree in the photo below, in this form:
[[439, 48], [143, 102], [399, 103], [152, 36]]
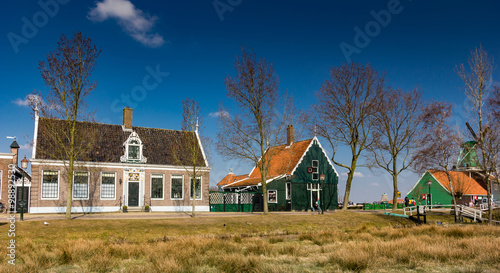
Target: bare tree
[[494, 104], [438, 147], [258, 125], [492, 143], [477, 87], [67, 72], [460, 186], [396, 132], [191, 156], [346, 106]]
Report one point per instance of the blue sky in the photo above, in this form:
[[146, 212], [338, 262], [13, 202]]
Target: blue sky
[[192, 46]]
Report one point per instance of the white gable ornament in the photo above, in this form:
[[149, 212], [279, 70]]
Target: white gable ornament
[[133, 150]]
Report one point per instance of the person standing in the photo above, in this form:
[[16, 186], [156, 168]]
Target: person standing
[[318, 203], [407, 201]]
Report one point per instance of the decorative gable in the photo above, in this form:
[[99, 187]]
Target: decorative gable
[[133, 150]]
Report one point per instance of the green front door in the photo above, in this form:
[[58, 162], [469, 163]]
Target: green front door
[[19, 198], [133, 194]]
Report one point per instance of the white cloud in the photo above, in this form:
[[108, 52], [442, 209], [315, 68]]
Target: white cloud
[[374, 184], [26, 101], [219, 114], [21, 102], [25, 147], [356, 174], [134, 21]]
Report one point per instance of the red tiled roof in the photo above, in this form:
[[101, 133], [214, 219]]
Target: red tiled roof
[[230, 178], [283, 160], [461, 182]]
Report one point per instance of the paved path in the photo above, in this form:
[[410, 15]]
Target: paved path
[[144, 215]]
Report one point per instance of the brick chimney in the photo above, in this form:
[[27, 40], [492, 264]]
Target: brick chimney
[[14, 149], [290, 135], [127, 117]]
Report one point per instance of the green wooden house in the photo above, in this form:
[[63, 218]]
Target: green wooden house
[[434, 188], [299, 173]]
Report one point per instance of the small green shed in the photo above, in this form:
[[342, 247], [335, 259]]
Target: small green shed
[[434, 188]]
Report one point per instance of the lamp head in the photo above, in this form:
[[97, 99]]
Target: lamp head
[[24, 163]]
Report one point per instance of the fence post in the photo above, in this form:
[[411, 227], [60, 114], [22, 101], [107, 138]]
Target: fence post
[[418, 214]]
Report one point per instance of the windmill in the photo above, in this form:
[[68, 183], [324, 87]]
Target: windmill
[[467, 159]]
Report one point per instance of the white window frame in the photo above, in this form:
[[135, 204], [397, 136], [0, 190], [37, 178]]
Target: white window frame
[[139, 153], [191, 188], [88, 188], [182, 186], [100, 189], [317, 163], [314, 186], [288, 193], [276, 195], [315, 172], [162, 186], [58, 184]]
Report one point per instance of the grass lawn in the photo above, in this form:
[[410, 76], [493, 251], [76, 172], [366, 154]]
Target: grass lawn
[[341, 241]]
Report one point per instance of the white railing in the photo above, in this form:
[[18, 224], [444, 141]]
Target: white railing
[[409, 210], [425, 208], [470, 212], [473, 213], [494, 205]]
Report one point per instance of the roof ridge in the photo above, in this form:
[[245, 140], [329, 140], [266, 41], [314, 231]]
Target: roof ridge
[[100, 123], [292, 143]]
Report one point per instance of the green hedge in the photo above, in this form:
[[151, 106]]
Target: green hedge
[[368, 206]]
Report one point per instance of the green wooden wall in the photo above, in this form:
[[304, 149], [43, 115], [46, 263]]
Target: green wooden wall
[[439, 195], [279, 186], [301, 197]]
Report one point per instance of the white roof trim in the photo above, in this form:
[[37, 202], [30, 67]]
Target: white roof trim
[[417, 182], [260, 183], [6, 155], [439, 182], [35, 133], [227, 185], [326, 155], [324, 152], [298, 163], [199, 143], [302, 157]]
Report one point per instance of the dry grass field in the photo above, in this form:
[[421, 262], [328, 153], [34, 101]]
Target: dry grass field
[[335, 242]]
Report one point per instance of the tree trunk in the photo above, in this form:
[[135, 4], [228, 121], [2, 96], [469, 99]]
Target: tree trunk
[[193, 190], [263, 174], [394, 183], [453, 197], [263, 169], [395, 194], [350, 175], [69, 200], [70, 190], [490, 209]]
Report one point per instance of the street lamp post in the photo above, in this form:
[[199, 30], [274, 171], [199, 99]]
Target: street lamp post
[[429, 196], [24, 165], [322, 179]]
